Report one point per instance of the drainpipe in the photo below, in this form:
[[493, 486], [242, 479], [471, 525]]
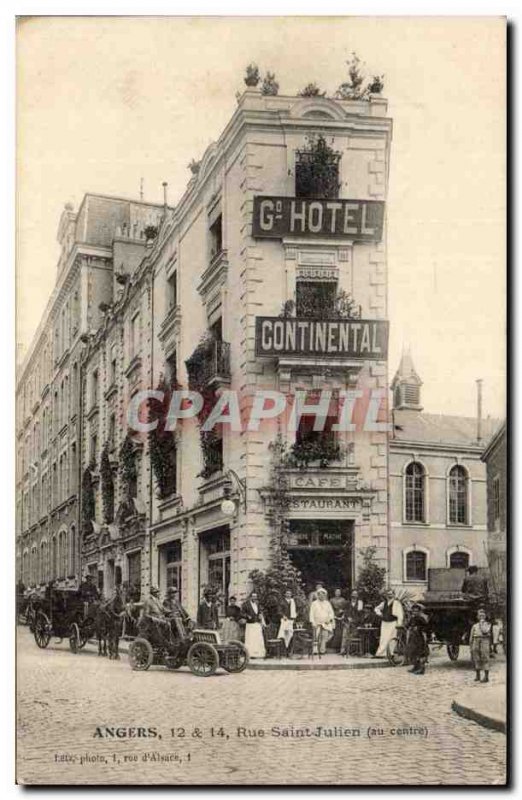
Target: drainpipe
[[151, 476], [80, 461]]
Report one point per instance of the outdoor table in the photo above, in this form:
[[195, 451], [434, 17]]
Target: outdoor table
[[368, 637]]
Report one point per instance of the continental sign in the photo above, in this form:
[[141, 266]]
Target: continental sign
[[359, 220], [339, 338]]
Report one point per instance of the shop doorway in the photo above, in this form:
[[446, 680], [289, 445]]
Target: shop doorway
[[322, 550], [214, 563]]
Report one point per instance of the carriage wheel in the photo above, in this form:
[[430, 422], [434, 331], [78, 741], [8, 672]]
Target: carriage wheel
[[203, 659], [395, 652], [453, 651], [140, 654], [74, 638], [42, 630], [237, 654]]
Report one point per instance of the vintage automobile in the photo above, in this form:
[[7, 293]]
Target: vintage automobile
[[173, 645]]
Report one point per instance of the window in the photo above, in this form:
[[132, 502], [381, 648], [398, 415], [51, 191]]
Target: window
[[317, 171], [459, 559], [172, 291], [496, 501], [216, 236], [113, 367], [411, 394], [416, 565], [315, 299], [172, 370], [94, 388], [173, 563], [458, 496], [93, 449], [112, 431], [215, 563], [415, 493], [134, 574], [134, 335]]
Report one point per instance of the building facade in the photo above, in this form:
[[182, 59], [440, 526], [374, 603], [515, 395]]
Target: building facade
[[49, 407], [495, 458], [438, 492], [270, 275]]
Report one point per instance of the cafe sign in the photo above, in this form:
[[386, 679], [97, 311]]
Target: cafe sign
[[358, 220], [334, 338]]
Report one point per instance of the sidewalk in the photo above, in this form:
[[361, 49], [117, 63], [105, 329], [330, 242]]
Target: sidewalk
[[484, 704]]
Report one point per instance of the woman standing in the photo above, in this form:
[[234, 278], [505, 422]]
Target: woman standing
[[255, 622], [479, 642], [338, 603], [232, 626]]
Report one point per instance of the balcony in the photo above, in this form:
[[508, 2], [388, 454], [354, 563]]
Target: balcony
[[170, 328], [215, 366], [215, 274]]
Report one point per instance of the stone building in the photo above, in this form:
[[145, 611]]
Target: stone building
[[49, 413], [245, 243], [437, 487], [495, 458]]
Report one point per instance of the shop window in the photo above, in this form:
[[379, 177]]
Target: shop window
[[315, 299], [173, 565], [215, 564], [458, 496], [416, 565], [459, 560], [415, 490]]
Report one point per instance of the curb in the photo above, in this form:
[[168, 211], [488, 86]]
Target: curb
[[264, 666], [481, 718]]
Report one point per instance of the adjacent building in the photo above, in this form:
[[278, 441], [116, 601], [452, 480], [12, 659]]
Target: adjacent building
[[438, 497], [104, 232], [495, 458]]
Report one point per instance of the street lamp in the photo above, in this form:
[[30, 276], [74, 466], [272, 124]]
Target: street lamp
[[228, 505]]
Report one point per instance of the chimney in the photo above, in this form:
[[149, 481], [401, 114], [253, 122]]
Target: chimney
[[479, 409], [165, 184]]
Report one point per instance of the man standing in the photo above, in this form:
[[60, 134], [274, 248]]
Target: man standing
[[208, 617], [417, 650], [288, 611], [475, 585], [323, 621], [391, 613]]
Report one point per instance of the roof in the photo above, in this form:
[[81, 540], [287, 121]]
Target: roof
[[406, 371], [416, 426]]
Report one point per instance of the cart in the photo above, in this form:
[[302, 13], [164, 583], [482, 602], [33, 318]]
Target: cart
[[56, 613]]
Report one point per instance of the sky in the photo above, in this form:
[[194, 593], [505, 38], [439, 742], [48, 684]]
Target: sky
[[105, 102]]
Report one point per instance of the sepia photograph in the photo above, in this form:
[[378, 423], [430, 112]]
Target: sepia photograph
[[261, 434]]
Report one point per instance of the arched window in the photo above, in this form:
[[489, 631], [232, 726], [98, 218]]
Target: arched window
[[458, 496], [459, 559], [415, 491], [62, 554], [72, 550], [44, 567], [416, 565], [34, 565]]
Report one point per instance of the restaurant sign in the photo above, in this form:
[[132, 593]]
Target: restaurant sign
[[334, 338], [358, 220]]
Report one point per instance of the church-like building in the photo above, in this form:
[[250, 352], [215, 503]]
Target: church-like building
[[437, 486]]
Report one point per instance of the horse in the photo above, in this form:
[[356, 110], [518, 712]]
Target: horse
[[108, 621]]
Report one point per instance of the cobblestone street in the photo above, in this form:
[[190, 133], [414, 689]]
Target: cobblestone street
[[407, 731]]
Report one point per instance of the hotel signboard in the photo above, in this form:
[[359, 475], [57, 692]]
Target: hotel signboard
[[358, 220], [333, 338]]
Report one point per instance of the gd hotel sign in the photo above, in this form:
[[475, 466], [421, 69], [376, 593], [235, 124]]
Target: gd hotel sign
[[358, 220]]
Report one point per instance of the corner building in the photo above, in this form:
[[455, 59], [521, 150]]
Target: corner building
[[257, 232]]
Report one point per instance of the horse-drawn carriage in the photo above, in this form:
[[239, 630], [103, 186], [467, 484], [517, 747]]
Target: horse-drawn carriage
[[56, 613], [172, 644], [450, 613]]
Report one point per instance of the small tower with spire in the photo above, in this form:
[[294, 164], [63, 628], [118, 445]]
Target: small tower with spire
[[406, 385]]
